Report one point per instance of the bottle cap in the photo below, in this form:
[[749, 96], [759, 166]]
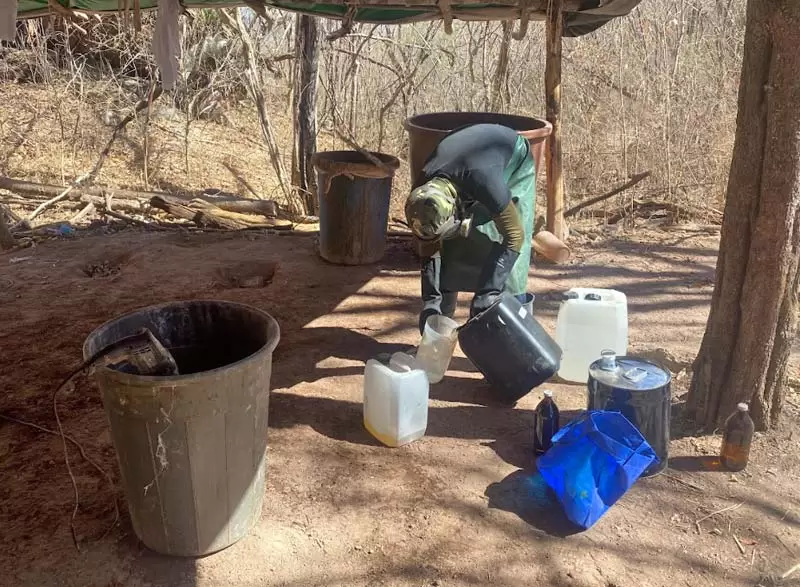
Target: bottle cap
[[548, 393], [743, 407], [608, 360]]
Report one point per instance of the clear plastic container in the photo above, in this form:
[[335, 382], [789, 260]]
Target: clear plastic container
[[436, 348], [396, 400], [589, 322]]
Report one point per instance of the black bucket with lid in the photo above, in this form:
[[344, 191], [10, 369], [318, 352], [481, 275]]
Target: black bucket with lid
[[640, 390], [510, 348]]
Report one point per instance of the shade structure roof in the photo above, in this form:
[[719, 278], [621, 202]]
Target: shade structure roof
[[581, 16]]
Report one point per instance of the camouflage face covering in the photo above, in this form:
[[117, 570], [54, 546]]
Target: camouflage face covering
[[431, 209]]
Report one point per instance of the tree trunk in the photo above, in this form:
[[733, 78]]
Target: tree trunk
[[304, 106], [745, 350]]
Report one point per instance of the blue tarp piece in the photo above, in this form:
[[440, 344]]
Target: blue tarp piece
[[594, 460]]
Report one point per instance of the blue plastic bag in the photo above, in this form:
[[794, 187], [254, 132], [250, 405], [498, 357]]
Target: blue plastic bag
[[594, 460]]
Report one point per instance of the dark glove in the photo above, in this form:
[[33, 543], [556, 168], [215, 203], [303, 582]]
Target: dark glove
[[481, 303], [427, 312], [493, 278], [431, 295]]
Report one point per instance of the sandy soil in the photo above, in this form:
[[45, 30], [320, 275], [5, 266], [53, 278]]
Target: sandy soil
[[455, 508]]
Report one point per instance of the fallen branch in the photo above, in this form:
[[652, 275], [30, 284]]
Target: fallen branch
[[30, 188], [738, 544], [208, 215], [182, 210], [592, 201], [124, 205], [85, 211], [245, 219], [49, 203], [712, 514], [267, 208], [97, 195], [645, 206], [790, 572], [128, 219], [22, 203], [686, 483]]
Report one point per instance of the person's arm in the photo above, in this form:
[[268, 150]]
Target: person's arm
[[430, 276], [494, 194], [509, 225]]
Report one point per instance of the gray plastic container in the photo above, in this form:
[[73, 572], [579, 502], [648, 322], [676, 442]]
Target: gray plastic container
[[192, 447]]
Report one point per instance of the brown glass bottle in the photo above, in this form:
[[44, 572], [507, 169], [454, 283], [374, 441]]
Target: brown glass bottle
[[736, 439], [545, 424]]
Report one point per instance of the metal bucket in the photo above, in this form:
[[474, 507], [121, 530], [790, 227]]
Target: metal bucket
[[192, 447], [354, 198], [640, 390]]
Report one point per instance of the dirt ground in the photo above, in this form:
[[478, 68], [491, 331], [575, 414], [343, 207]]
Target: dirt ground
[[458, 507]]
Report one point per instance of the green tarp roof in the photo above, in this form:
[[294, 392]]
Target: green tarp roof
[[581, 16]]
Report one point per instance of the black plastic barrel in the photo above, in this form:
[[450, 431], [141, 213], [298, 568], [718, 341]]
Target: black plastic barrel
[[354, 195], [510, 348], [640, 390], [192, 447]]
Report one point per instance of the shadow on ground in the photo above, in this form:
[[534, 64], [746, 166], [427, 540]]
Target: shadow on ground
[[525, 493]]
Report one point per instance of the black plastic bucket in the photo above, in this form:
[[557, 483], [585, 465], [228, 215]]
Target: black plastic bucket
[[640, 390], [510, 348]]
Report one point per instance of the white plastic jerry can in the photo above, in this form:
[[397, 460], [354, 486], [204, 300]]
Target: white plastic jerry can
[[396, 400], [589, 322]]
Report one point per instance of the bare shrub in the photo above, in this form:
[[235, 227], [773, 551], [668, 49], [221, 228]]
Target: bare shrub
[[653, 91]]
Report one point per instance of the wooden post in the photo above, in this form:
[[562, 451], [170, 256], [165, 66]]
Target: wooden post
[[304, 104], [552, 84]]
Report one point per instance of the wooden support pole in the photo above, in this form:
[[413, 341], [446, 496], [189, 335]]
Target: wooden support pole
[[304, 109], [552, 84]]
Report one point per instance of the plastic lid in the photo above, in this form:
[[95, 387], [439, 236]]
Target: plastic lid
[[628, 373], [548, 393], [742, 407], [608, 360]]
